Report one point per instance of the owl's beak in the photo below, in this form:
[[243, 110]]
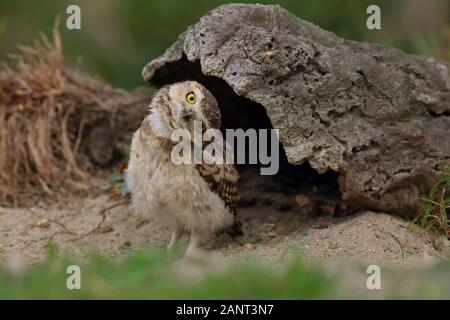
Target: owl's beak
[[187, 115]]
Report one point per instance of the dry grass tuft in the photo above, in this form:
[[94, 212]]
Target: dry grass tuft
[[44, 109]]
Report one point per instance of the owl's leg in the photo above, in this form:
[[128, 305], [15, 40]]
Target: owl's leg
[[173, 238], [193, 242]]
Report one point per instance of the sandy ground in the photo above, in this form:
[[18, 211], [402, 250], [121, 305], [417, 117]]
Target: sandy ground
[[270, 234], [276, 231], [343, 246]]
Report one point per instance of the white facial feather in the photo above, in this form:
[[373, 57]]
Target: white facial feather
[[158, 125]]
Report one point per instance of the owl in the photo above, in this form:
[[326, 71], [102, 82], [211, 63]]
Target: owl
[[198, 199]]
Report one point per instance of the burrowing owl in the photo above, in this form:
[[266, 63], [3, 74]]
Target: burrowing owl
[[199, 199]]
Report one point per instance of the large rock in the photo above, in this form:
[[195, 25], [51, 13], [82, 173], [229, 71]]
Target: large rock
[[377, 116]]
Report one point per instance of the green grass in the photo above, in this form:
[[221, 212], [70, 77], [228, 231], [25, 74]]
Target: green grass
[[434, 217], [154, 275], [3, 25], [160, 275]]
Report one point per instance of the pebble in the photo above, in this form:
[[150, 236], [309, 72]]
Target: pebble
[[333, 246]]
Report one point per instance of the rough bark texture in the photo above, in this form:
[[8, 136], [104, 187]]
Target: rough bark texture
[[377, 116]]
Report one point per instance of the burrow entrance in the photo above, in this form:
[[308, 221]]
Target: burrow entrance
[[294, 186]]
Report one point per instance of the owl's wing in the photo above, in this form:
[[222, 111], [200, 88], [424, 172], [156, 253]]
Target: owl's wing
[[221, 179]]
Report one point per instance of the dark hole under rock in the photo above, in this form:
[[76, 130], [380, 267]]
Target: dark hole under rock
[[278, 190]]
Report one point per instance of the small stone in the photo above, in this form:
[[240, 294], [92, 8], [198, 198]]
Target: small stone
[[44, 223], [249, 246], [333, 246], [304, 232], [302, 200], [328, 208]]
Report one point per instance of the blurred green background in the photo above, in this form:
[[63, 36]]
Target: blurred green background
[[119, 37], [158, 275]]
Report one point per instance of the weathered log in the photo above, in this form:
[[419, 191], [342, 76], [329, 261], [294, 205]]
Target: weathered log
[[377, 116]]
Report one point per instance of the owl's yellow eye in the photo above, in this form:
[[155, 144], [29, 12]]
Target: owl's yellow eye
[[190, 98]]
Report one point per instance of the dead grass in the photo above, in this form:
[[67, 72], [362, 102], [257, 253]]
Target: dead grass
[[44, 109]]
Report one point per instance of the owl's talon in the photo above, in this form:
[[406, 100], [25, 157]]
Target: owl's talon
[[193, 243]]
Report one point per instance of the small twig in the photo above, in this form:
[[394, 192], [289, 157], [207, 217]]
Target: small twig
[[62, 226], [398, 241], [118, 204], [96, 228], [102, 213], [79, 136]]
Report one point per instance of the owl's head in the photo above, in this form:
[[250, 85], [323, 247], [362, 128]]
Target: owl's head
[[181, 105]]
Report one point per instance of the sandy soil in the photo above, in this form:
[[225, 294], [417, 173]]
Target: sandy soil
[[271, 234], [343, 246]]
